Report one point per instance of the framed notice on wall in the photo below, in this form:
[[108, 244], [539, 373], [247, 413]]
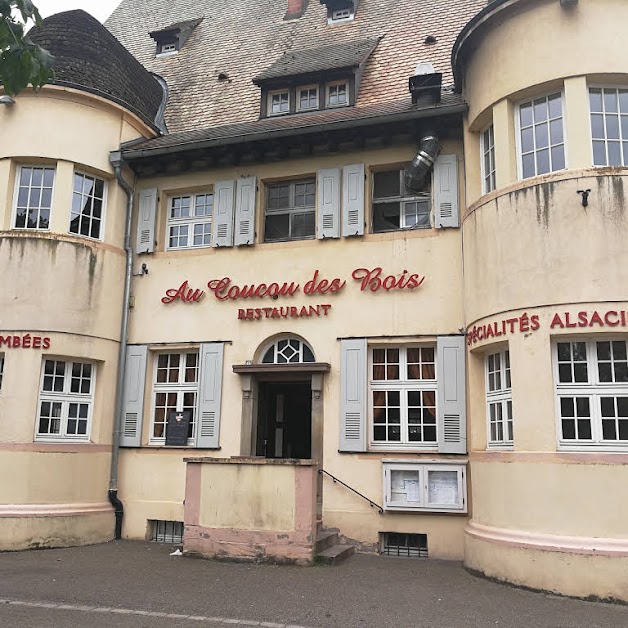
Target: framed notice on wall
[[177, 428]]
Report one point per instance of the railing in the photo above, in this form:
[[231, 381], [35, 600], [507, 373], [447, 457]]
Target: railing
[[372, 504]]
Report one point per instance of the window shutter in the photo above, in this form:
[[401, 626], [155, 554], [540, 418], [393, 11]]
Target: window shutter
[[353, 200], [208, 428], [446, 210], [223, 213], [245, 211], [133, 400], [451, 402], [329, 203], [353, 378], [146, 218]]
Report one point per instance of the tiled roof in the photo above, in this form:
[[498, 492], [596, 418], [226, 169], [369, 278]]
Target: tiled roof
[[245, 37], [88, 57], [348, 54], [290, 125]]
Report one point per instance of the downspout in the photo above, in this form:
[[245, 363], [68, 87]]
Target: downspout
[[115, 158]]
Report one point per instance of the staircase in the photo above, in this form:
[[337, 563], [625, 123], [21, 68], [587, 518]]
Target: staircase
[[329, 549]]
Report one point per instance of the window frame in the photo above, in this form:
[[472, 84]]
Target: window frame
[[65, 398], [518, 143], [489, 182], [501, 396], [16, 194], [341, 20], [336, 84], [103, 212], [292, 209], [593, 390], [423, 469], [622, 140], [401, 199], [308, 88], [403, 386], [189, 221], [269, 107], [180, 388]]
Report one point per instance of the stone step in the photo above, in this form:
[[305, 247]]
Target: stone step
[[325, 539], [334, 554]]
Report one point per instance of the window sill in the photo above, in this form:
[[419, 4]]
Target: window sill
[[61, 440], [620, 448]]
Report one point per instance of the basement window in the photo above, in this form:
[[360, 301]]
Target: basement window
[[166, 531], [403, 544]]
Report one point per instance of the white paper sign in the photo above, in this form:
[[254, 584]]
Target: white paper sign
[[412, 490]]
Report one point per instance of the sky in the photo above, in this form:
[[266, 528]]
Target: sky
[[100, 9]]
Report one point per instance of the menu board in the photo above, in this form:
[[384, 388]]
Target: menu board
[[442, 487], [177, 428]]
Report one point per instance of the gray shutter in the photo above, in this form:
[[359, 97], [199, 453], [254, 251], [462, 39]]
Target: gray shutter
[[223, 213], [353, 379], [353, 200], [208, 428], [245, 211], [446, 211], [329, 203], [451, 401], [146, 217], [133, 400]]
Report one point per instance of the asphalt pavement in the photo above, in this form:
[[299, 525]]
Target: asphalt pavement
[[128, 584]]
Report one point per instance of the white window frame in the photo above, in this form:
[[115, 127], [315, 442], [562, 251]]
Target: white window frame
[[191, 221], [328, 94], [534, 152], [622, 139], [308, 88], [179, 388], [593, 390], [402, 199], [499, 398], [17, 192], [66, 397], [101, 234], [487, 149], [288, 348], [423, 469], [276, 92], [339, 16], [403, 385]]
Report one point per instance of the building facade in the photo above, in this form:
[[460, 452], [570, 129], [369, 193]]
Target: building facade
[[360, 268]]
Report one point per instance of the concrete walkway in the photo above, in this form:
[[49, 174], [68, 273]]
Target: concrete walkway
[[135, 585]]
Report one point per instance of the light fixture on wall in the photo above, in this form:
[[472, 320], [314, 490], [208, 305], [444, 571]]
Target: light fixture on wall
[[585, 196]]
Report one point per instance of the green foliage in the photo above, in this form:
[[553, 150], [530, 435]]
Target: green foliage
[[22, 62]]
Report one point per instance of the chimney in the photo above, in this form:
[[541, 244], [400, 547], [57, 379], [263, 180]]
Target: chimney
[[425, 85], [296, 8]]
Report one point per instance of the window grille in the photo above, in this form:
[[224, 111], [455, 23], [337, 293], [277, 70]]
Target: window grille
[[166, 531], [402, 544]]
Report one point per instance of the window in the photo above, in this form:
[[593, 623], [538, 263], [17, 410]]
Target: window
[[308, 98], [403, 397], [88, 200], [1, 369], [541, 137], [394, 207], [338, 95], [290, 210], [278, 102], [168, 48], [402, 544], [428, 486], [174, 390], [166, 531], [488, 160], [288, 351], [609, 126], [341, 15], [190, 221], [592, 392], [65, 400], [498, 399], [34, 197]]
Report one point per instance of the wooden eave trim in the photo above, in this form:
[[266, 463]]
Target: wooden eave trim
[[301, 367]]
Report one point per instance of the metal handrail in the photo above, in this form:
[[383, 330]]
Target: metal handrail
[[372, 504]]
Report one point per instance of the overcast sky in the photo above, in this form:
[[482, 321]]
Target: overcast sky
[[100, 9]]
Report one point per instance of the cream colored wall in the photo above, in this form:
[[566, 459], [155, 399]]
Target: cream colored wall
[[247, 497]]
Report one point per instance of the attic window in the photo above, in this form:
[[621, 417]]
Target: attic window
[[167, 48], [341, 15], [170, 40], [339, 11]]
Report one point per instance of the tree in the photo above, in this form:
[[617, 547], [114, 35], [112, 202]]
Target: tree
[[22, 62]]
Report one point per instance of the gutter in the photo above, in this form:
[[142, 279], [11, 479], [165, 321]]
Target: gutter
[[116, 161], [418, 114]]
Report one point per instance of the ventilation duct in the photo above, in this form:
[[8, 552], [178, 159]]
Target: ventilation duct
[[416, 173]]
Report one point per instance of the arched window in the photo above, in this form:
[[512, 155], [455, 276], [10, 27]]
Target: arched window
[[288, 351]]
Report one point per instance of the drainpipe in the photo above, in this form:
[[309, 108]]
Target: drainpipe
[[417, 171], [116, 161]]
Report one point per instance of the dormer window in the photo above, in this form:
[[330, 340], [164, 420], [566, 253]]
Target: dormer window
[[342, 15], [169, 48], [170, 39], [308, 98], [339, 11], [278, 102], [338, 94]]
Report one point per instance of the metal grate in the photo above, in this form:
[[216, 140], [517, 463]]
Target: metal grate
[[402, 544], [166, 531]]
